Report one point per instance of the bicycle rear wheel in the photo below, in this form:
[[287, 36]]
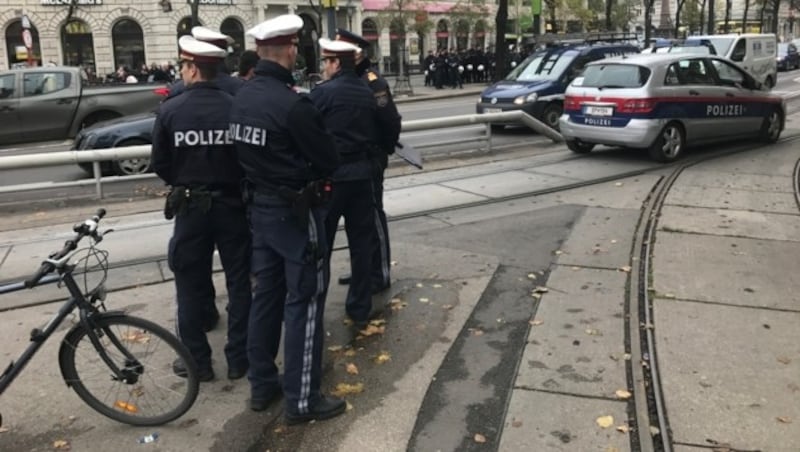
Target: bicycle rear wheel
[[147, 392]]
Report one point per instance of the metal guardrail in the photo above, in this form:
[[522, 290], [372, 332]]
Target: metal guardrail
[[95, 156]]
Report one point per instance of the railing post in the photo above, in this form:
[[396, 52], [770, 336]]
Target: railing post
[[488, 137], [98, 175]]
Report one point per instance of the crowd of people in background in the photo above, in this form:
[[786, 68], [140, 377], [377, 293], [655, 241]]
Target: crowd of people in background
[[454, 68]]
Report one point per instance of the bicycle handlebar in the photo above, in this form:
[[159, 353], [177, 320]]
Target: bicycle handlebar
[[88, 227]]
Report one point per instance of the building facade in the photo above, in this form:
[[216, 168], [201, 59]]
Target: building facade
[[103, 35]]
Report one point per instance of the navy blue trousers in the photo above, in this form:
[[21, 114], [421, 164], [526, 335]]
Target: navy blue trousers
[[191, 250], [354, 200], [382, 257], [291, 282]]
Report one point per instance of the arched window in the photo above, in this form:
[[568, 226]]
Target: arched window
[[233, 28], [480, 35], [442, 35], [77, 44], [128, 42], [369, 31], [462, 35], [15, 47], [397, 40]]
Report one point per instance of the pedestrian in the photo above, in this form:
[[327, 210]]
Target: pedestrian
[[194, 155], [286, 154], [389, 124], [227, 83], [349, 110], [247, 64]]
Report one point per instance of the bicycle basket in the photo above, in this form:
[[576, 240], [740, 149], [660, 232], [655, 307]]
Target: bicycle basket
[[91, 268]]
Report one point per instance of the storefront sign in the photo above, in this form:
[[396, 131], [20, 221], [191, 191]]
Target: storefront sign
[[213, 2], [67, 2]]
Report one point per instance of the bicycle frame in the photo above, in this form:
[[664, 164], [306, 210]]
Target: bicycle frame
[[39, 336]]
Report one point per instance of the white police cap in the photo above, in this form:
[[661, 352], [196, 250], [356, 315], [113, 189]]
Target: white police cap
[[281, 30], [213, 37], [199, 51], [337, 48]]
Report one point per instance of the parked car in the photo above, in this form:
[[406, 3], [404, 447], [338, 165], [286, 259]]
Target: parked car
[[665, 102], [788, 58], [53, 103], [753, 52], [537, 85], [126, 131]]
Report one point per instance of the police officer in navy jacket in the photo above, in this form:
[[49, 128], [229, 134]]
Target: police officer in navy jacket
[[286, 154], [389, 124], [194, 154], [227, 83], [349, 111]]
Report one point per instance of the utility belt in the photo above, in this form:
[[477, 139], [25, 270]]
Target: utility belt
[[314, 194], [182, 197], [353, 157]]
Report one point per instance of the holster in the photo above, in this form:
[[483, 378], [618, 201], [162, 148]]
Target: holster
[[316, 193], [182, 198]]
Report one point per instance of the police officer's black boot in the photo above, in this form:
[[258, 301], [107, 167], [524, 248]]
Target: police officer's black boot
[[179, 368], [325, 408]]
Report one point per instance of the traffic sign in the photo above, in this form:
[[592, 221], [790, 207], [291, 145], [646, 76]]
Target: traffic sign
[[27, 38]]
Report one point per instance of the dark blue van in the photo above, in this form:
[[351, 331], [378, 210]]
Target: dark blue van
[[537, 85]]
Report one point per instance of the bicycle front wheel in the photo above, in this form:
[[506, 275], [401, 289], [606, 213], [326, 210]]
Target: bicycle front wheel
[[129, 377]]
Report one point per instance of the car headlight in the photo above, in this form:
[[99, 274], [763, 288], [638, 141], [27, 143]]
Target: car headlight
[[523, 99]]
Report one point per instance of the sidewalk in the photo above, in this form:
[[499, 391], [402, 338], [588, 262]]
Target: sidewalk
[[726, 310]]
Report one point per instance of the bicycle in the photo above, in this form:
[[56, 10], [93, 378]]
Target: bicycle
[[120, 365]]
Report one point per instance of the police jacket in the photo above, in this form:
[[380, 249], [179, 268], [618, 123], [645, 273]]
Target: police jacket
[[226, 83], [349, 110], [389, 119], [191, 145], [280, 137]]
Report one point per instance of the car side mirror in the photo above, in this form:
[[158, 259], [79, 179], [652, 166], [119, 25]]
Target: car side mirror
[[737, 57]]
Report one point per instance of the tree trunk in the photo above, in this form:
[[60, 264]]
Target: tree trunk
[[702, 16], [728, 4], [761, 19], [609, 8], [712, 20], [744, 16], [776, 6], [648, 21], [500, 48], [678, 17]]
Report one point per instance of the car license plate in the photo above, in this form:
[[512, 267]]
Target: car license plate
[[492, 110], [598, 111]]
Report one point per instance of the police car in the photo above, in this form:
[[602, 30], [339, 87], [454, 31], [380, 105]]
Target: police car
[[666, 102], [536, 86]]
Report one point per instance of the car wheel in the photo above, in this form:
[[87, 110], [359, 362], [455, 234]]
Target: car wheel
[[579, 146], [769, 83], [130, 167], [551, 115], [772, 127], [669, 144], [99, 116]]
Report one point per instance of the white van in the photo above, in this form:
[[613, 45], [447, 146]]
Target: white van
[[753, 52]]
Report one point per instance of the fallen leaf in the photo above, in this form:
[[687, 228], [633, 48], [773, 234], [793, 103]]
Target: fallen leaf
[[280, 429], [3, 429], [532, 276], [372, 330], [558, 252], [537, 296], [536, 322], [618, 184], [61, 444], [479, 438], [540, 289], [576, 268], [605, 421], [593, 332], [335, 348], [351, 369], [347, 321], [623, 394], [515, 423], [349, 406], [613, 241], [423, 300], [623, 428], [654, 430], [437, 286], [393, 263], [784, 360], [475, 331], [377, 322], [383, 357], [784, 419], [626, 356], [625, 268], [343, 389], [420, 285], [350, 353], [447, 307], [397, 304]]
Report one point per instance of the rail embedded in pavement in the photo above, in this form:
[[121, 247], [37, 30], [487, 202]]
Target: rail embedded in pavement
[[95, 156]]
